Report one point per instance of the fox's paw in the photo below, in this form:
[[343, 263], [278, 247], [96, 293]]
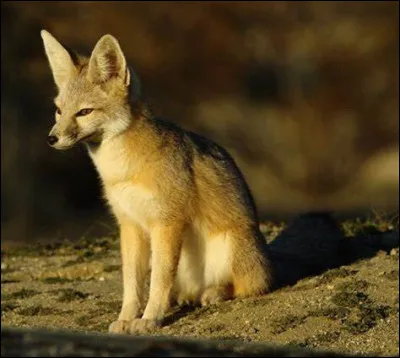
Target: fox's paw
[[135, 326], [141, 325], [187, 300], [119, 327], [215, 294]]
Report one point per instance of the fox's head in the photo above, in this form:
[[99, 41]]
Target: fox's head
[[93, 101]]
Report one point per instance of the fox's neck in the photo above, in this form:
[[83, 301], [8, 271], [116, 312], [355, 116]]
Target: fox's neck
[[125, 154], [139, 114]]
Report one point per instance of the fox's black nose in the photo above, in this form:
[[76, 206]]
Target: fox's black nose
[[52, 139]]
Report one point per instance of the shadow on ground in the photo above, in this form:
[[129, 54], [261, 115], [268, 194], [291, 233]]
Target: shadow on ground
[[312, 244]]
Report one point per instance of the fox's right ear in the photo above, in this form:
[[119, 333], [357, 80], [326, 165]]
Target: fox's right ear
[[61, 62]]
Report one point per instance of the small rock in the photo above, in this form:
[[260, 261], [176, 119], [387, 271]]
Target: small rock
[[394, 252], [4, 266], [101, 278], [381, 253]]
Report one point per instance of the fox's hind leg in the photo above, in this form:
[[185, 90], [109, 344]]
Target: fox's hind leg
[[189, 280], [236, 265], [218, 269], [216, 294]]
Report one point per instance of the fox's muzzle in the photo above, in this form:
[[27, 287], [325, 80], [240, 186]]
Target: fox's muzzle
[[63, 135], [65, 142], [52, 139]]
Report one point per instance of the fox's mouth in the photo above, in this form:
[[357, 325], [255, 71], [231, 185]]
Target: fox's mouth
[[70, 142], [86, 138]]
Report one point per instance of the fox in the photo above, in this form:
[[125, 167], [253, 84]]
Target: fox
[[183, 208]]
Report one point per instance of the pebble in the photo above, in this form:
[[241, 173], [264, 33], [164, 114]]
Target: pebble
[[381, 253], [4, 266], [394, 252], [101, 278]]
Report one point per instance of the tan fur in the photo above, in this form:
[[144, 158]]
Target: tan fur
[[179, 199]]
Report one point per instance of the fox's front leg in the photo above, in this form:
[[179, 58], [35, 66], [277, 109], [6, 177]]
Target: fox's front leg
[[135, 251], [166, 243]]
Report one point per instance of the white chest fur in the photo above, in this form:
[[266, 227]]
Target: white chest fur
[[128, 197], [133, 202]]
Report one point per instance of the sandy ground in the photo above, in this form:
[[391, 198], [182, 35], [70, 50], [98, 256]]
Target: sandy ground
[[333, 292]]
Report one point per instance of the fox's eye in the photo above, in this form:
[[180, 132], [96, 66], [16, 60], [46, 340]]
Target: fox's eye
[[84, 112], [58, 110]]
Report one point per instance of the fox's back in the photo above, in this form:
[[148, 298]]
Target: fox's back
[[212, 166]]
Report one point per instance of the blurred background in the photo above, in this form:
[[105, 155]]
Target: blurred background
[[303, 94]]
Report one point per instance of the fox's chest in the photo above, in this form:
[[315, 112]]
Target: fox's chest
[[133, 201], [125, 189]]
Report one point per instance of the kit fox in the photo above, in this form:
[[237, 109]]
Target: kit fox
[[182, 205]]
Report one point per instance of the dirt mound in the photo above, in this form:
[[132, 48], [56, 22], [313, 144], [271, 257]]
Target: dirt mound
[[350, 304]]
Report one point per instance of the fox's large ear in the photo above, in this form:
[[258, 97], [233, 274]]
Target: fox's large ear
[[107, 61], [61, 62]]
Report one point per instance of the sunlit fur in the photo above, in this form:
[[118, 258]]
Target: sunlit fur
[[180, 201]]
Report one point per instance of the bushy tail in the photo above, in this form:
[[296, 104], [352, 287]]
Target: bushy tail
[[251, 267]]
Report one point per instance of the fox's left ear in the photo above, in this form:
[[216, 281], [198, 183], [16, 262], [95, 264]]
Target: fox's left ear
[[108, 61]]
